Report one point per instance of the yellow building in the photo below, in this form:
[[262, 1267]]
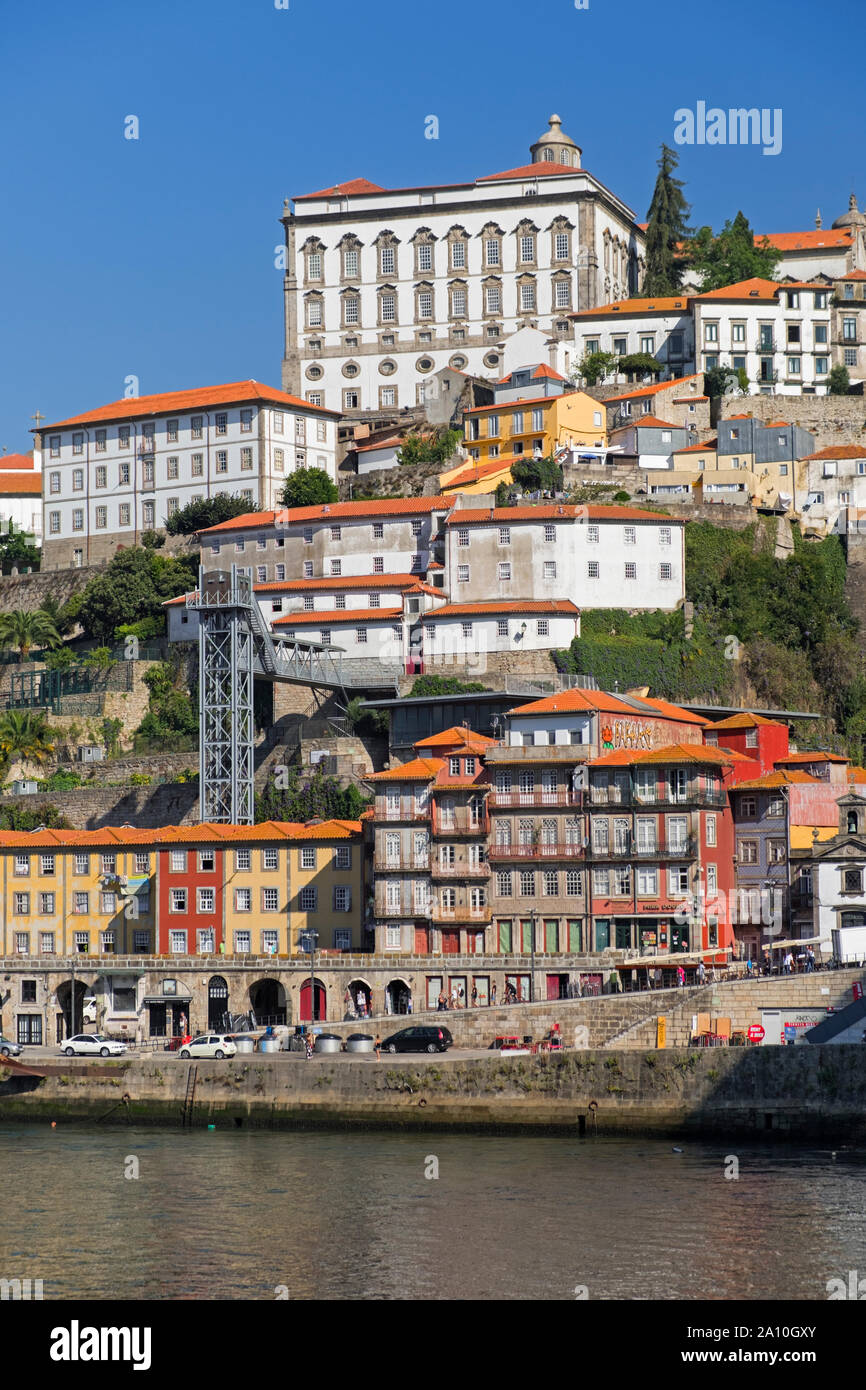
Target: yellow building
[[475, 477], [78, 892], [527, 424]]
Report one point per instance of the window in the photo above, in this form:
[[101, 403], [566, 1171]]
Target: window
[[54, 482], [22, 865], [82, 863], [343, 857], [54, 446], [748, 806], [777, 851], [46, 942], [852, 881], [78, 480], [527, 248], [747, 851], [387, 260], [425, 304], [592, 569], [221, 423], [78, 444], [343, 898], [350, 263], [678, 881], [666, 572], [308, 857], [630, 570], [21, 904], [243, 860], [206, 900], [502, 627], [527, 883], [463, 574], [542, 627], [647, 882], [503, 884], [711, 830], [243, 900], [527, 296], [142, 863], [504, 570], [308, 899], [550, 880], [177, 861], [46, 863], [177, 900]]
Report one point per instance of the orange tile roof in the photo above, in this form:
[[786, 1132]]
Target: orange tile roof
[[17, 461], [853, 275], [681, 400], [746, 720], [418, 770], [557, 511], [661, 304], [708, 446], [802, 241], [670, 753], [777, 779], [393, 440], [567, 701], [337, 617], [474, 472], [838, 451], [408, 583], [552, 606], [347, 190], [648, 422], [332, 511], [180, 834], [548, 373], [456, 734], [20, 484], [497, 409], [167, 402], [652, 390], [819, 756], [754, 288], [857, 774]]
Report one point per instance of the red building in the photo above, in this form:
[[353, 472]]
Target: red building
[[764, 741], [190, 878]]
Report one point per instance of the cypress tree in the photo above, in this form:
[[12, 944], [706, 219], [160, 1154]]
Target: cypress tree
[[667, 229]]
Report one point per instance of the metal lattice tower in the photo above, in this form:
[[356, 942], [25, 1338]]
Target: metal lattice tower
[[225, 601]]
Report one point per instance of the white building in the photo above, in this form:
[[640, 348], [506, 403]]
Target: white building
[[778, 334], [113, 473], [660, 326], [838, 878], [384, 287], [21, 492], [600, 557], [833, 481]]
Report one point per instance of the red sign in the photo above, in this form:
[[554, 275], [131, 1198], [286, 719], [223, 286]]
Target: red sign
[[756, 1033]]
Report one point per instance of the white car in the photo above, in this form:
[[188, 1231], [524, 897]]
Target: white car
[[209, 1045], [92, 1044]]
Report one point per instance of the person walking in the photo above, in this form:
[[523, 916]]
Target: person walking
[[493, 995], [474, 995], [442, 1003], [308, 1045], [702, 973], [681, 977], [378, 1046]]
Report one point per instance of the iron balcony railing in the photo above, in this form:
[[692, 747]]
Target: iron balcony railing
[[406, 863], [459, 870], [692, 796], [559, 796], [667, 849], [543, 850]]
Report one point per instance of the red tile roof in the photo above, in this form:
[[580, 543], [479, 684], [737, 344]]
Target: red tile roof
[[522, 401], [778, 779], [545, 168], [394, 440], [552, 606], [408, 583], [345, 190], [337, 617], [22, 462], [181, 834], [204, 398], [654, 389], [671, 711], [456, 735], [838, 451], [651, 422], [479, 516], [746, 720], [671, 753], [853, 275], [803, 241], [20, 484], [754, 288], [819, 756], [567, 701], [333, 511], [707, 446], [418, 770]]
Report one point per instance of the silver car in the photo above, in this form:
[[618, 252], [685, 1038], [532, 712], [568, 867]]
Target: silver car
[[8, 1048], [92, 1045], [209, 1045]]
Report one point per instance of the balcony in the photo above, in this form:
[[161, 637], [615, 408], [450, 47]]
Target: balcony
[[669, 849], [145, 448], [459, 871], [559, 796], [692, 796], [405, 864], [557, 850], [461, 917], [460, 825]]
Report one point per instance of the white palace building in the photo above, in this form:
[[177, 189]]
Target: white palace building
[[385, 287]]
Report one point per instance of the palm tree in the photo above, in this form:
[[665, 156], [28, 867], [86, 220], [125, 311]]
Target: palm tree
[[25, 629], [24, 736]]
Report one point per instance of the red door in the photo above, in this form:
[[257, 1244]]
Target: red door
[[422, 941], [553, 986], [450, 941], [304, 1009]]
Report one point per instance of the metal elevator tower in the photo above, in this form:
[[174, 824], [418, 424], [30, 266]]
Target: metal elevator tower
[[226, 733]]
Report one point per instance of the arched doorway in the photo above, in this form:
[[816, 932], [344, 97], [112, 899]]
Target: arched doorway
[[268, 1002], [71, 1025], [320, 1003], [398, 997], [217, 1002], [358, 999]]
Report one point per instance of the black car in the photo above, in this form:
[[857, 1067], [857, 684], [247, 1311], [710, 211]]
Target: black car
[[420, 1039]]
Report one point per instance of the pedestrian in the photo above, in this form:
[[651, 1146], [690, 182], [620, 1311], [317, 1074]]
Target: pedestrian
[[474, 995], [378, 1046], [810, 960], [461, 998], [702, 973], [454, 996], [493, 995], [442, 1003], [308, 1045], [749, 968], [681, 977]]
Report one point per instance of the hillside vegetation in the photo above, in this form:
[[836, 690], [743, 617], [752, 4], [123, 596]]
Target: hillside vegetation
[[776, 632]]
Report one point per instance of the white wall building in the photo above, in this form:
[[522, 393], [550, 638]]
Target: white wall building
[[113, 473], [778, 334], [384, 287], [21, 492], [663, 327], [601, 557]]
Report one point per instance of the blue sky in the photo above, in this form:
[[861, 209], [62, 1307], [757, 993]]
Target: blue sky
[[155, 257]]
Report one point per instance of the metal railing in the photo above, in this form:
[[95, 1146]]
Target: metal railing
[[667, 849], [561, 796], [557, 850]]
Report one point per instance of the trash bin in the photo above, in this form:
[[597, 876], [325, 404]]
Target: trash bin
[[245, 1044]]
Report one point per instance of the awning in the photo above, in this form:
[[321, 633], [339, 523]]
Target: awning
[[676, 958], [803, 941]]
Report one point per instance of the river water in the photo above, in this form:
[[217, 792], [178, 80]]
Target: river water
[[241, 1214]]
